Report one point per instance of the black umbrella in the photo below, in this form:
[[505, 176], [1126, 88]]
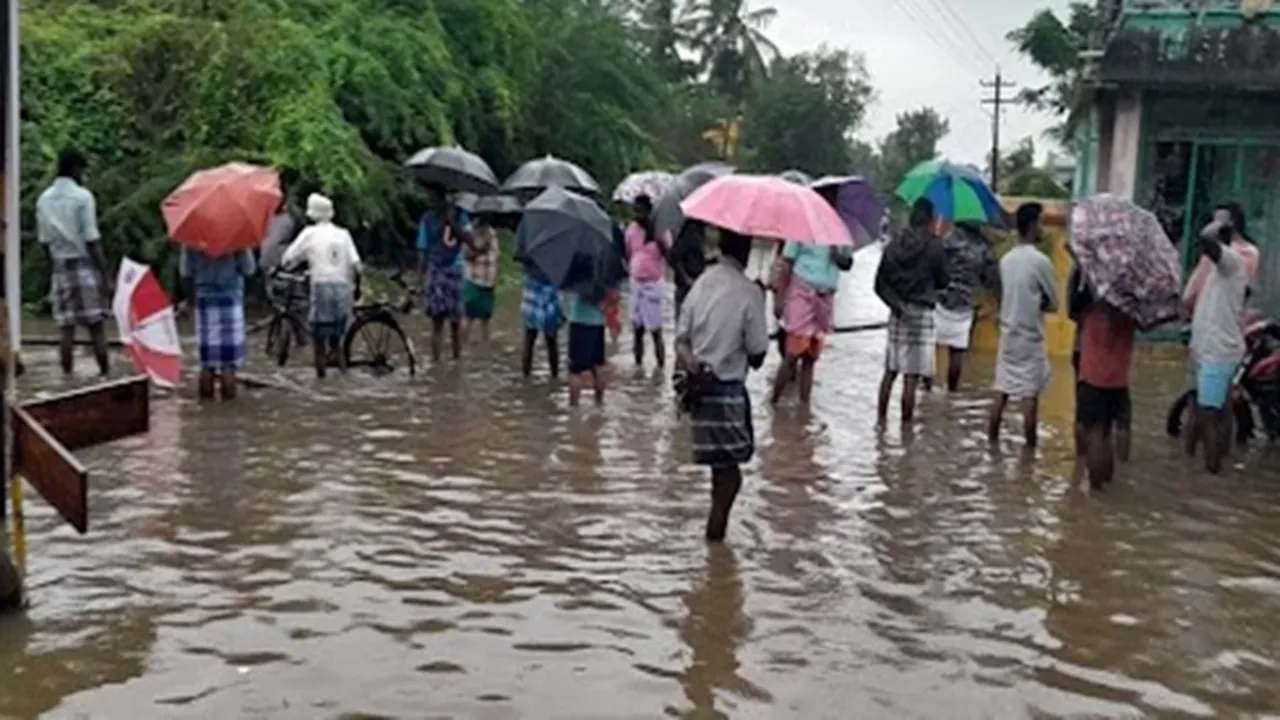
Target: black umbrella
[[454, 168], [538, 175], [569, 239], [489, 204], [667, 217]]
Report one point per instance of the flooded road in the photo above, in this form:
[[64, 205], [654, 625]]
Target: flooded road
[[465, 546]]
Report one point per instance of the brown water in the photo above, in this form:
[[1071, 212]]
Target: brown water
[[465, 546]]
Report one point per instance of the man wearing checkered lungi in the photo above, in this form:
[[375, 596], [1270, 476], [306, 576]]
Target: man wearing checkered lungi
[[80, 291], [721, 332], [216, 284], [540, 310], [911, 274]]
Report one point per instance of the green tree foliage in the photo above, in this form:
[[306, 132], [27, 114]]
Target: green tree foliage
[[804, 114], [335, 93], [729, 40], [913, 141], [1055, 46], [1019, 175]]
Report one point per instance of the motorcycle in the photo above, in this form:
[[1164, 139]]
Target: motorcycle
[[1256, 385]]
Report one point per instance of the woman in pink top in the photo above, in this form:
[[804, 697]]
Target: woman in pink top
[[645, 254]]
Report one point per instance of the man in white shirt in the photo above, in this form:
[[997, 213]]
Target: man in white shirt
[[1217, 336], [334, 264]]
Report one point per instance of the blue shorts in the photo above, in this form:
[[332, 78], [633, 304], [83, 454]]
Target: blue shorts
[[1213, 384]]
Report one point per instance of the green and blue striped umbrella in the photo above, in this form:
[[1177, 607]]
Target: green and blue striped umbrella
[[958, 192]]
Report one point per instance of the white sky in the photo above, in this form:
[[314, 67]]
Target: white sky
[[919, 53]]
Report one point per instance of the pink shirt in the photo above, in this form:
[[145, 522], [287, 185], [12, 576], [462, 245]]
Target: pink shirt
[[644, 259]]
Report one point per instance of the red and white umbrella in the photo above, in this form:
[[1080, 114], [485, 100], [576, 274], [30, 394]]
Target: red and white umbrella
[[148, 328]]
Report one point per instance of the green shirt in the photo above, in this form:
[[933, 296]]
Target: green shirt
[[813, 264], [582, 312]]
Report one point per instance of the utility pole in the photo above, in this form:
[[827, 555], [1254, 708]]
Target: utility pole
[[997, 87]]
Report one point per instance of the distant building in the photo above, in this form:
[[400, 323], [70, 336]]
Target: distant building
[[1182, 111]]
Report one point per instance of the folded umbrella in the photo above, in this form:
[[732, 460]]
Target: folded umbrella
[[958, 192], [1125, 256], [569, 239], [856, 202], [453, 168], [224, 209], [547, 172], [767, 207], [653, 183]]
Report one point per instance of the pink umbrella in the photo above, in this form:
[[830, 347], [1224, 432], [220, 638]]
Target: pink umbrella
[[767, 207]]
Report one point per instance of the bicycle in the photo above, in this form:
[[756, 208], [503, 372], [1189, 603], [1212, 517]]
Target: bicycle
[[374, 338]]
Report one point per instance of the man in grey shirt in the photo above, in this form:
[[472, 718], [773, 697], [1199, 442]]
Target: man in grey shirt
[[721, 332], [67, 227], [1028, 290]]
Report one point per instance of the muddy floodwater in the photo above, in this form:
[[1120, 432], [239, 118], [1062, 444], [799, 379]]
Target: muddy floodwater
[[463, 545]]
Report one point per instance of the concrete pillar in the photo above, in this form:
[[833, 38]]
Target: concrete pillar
[[1126, 145]]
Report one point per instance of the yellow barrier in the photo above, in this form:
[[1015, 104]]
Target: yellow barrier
[[1058, 329]]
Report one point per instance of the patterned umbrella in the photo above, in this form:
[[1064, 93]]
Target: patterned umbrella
[[1126, 258], [653, 183]]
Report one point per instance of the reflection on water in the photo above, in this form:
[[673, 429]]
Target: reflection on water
[[464, 545]]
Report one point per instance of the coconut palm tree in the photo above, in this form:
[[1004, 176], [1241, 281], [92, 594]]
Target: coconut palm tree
[[729, 40]]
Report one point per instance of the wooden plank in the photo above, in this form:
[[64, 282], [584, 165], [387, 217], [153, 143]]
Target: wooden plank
[[95, 415], [51, 469]]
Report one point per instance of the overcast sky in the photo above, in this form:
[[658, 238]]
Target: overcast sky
[[920, 53]]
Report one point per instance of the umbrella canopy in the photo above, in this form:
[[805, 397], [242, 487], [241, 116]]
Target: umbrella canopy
[[489, 204], [798, 177], [653, 183], [569, 239], [455, 169], [767, 207], [550, 172], [958, 192], [857, 204], [1128, 261], [148, 329], [667, 215], [224, 209]]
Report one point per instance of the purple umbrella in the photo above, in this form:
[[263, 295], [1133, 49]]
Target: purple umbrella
[[855, 201]]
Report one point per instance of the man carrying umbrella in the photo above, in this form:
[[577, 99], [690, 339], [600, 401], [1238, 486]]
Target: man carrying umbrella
[[67, 227], [442, 232]]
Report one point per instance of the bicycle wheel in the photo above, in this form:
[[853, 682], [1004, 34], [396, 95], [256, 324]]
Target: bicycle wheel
[[378, 343], [281, 334]]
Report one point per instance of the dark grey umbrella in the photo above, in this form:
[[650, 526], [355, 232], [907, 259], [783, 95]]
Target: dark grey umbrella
[[489, 204], [569, 239], [538, 175], [667, 217], [455, 169]]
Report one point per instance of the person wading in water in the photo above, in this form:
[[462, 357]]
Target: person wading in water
[[720, 334], [67, 227], [1028, 291], [971, 264], [912, 271]]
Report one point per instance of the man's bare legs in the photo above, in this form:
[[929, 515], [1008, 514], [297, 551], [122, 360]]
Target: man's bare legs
[[1100, 456], [455, 337], [1030, 420], [886, 391], [228, 384], [726, 481], [955, 367], [530, 344], [437, 338], [787, 372], [67, 347], [910, 387], [996, 417]]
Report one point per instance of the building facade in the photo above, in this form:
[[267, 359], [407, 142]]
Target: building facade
[[1183, 112]]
